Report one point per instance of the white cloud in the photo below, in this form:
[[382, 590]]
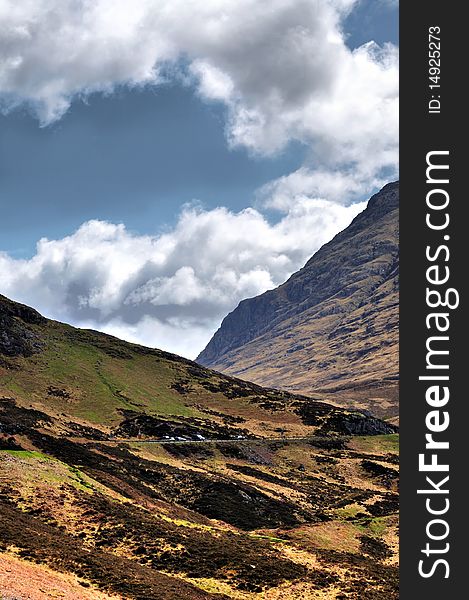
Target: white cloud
[[342, 186], [282, 67], [170, 291]]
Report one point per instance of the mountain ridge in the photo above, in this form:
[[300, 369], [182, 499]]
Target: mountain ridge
[[303, 335], [42, 359]]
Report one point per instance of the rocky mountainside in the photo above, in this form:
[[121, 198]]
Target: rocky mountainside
[[333, 326], [130, 473]]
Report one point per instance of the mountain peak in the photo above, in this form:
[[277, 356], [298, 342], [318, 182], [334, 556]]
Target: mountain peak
[[21, 311], [16, 336], [387, 198]]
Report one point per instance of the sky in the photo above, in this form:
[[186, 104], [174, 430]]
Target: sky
[[162, 160]]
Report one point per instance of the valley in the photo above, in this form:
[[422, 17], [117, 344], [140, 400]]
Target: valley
[[131, 473]]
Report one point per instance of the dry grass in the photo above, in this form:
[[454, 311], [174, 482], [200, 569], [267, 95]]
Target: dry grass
[[23, 580]]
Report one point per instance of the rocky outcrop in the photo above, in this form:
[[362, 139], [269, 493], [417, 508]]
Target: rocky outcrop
[[17, 338], [333, 325]]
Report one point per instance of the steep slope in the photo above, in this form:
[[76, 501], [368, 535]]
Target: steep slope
[[130, 473], [333, 326]]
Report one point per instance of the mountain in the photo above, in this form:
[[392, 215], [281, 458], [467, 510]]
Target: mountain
[[131, 473], [333, 326]]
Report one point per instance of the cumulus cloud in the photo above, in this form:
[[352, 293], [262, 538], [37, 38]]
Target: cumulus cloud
[[54, 49], [171, 290], [281, 67]]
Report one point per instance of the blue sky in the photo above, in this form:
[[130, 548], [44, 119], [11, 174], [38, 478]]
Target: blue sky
[[135, 157], [201, 166]]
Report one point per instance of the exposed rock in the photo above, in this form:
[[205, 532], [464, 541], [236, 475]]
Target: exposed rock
[[351, 424], [17, 338], [21, 311], [141, 424]]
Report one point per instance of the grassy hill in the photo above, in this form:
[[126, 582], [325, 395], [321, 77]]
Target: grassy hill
[[127, 472]]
